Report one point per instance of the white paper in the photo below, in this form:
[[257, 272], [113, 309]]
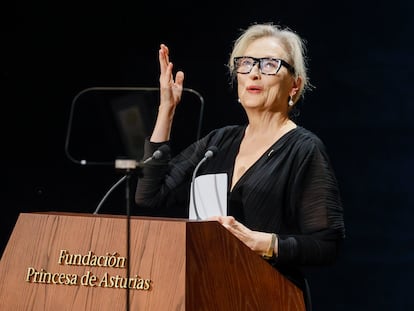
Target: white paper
[[210, 196]]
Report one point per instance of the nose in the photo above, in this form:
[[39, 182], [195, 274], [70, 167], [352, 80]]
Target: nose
[[256, 66]]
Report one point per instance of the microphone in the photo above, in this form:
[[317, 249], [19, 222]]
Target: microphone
[[132, 164], [211, 152], [158, 154]]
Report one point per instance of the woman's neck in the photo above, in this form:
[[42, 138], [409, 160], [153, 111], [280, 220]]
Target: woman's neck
[[268, 124]]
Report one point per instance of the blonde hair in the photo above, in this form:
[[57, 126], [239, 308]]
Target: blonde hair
[[293, 44]]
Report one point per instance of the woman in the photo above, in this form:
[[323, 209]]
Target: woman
[[283, 198]]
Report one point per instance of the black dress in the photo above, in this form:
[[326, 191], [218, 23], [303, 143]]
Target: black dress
[[291, 191]]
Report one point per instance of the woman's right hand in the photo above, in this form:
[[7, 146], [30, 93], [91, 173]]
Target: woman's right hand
[[170, 95], [170, 90]]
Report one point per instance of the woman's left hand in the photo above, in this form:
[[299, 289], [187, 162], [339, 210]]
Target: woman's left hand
[[257, 241]]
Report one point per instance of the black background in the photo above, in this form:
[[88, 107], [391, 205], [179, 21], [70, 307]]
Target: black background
[[361, 64]]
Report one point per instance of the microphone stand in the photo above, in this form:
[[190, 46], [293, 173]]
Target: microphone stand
[[128, 166], [128, 229], [211, 152]]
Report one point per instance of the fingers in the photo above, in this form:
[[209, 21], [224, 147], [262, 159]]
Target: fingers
[[164, 55], [171, 90], [215, 218], [179, 78], [167, 67], [226, 220], [164, 59]]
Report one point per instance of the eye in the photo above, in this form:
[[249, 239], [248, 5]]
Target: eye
[[270, 64], [246, 61]]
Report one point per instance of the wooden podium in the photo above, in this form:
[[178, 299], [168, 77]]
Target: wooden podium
[[61, 261]]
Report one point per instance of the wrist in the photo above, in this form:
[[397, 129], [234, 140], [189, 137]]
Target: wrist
[[271, 250]]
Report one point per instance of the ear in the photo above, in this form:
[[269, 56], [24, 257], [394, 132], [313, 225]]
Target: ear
[[295, 86]]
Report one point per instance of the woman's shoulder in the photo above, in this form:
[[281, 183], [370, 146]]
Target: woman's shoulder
[[229, 129], [307, 135], [307, 139], [226, 131]]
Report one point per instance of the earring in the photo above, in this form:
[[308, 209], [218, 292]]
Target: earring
[[290, 103], [239, 100]]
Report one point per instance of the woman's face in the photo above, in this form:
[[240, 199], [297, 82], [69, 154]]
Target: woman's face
[[265, 92]]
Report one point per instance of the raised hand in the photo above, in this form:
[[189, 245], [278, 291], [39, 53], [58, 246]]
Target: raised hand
[[171, 89], [170, 95]]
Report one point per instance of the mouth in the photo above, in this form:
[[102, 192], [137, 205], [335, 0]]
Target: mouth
[[254, 89]]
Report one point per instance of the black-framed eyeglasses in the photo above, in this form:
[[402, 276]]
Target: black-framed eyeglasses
[[267, 65]]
